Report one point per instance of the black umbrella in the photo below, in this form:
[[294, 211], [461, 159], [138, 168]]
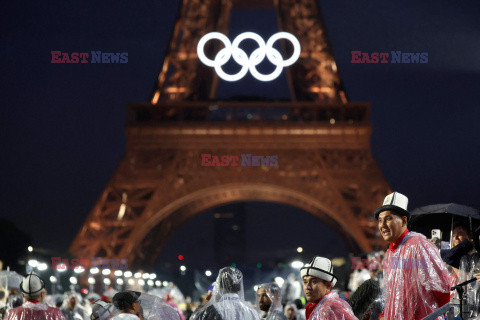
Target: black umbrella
[[443, 217]]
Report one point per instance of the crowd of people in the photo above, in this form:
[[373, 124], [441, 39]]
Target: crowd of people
[[412, 279]]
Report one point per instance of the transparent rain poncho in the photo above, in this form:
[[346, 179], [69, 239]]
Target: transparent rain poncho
[[151, 308], [470, 265], [414, 276], [9, 286], [37, 311], [102, 310], [291, 289], [79, 312], [332, 307], [275, 312], [227, 302]]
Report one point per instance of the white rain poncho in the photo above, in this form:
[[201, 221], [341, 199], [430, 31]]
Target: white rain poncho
[[272, 290], [332, 307], [291, 289], [151, 308], [102, 310], [227, 302], [9, 285], [78, 312], [416, 279], [470, 265], [38, 311]]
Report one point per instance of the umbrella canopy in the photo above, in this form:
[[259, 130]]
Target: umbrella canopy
[[443, 217], [10, 279]]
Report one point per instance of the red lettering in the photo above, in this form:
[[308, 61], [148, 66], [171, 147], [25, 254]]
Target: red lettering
[[75, 264], [215, 161], [365, 57], [84, 56], [356, 57], [384, 56], [374, 57], [365, 263], [65, 266], [205, 160], [234, 160], [224, 161], [55, 262], [84, 263], [55, 59], [65, 57], [357, 263], [75, 57]]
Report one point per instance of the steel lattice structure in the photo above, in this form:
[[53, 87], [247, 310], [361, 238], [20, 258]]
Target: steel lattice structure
[[322, 141]]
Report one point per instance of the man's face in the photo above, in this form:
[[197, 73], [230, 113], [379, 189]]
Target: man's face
[[136, 308], [315, 288], [290, 313], [391, 226], [72, 302], [264, 301], [459, 234]]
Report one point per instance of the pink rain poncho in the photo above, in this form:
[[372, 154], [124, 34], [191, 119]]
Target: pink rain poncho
[[332, 307], [37, 311], [416, 279]]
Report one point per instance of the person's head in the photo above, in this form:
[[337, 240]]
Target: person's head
[[391, 225], [230, 280], [460, 233], [476, 239], [315, 288], [393, 216], [99, 309], [71, 300], [290, 311], [264, 302], [33, 288], [268, 295], [127, 302], [317, 278]]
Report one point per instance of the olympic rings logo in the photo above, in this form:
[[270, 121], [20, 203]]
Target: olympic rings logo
[[240, 56]]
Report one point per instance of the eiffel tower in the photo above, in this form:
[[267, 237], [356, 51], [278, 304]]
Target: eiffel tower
[[325, 164]]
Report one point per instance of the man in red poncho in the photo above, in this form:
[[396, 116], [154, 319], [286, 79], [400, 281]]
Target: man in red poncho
[[33, 290], [416, 279], [318, 280]]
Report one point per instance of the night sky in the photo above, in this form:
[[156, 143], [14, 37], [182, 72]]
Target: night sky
[[62, 125]]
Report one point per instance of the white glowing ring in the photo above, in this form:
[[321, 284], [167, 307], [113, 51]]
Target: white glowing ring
[[248, 63], [238, 55], [207, 37]]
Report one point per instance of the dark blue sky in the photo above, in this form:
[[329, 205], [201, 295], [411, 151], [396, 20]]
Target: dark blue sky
[[62, 124]]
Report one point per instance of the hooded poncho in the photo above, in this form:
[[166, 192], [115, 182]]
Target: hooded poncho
[[275, 312], [227, 302], [416, 279]]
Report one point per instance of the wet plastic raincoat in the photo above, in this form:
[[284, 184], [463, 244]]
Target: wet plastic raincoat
[[38, 311], [227, 302], [275, 312], [470, 265], [416, 279], [151, 308], [332, 307], [102, 310]]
